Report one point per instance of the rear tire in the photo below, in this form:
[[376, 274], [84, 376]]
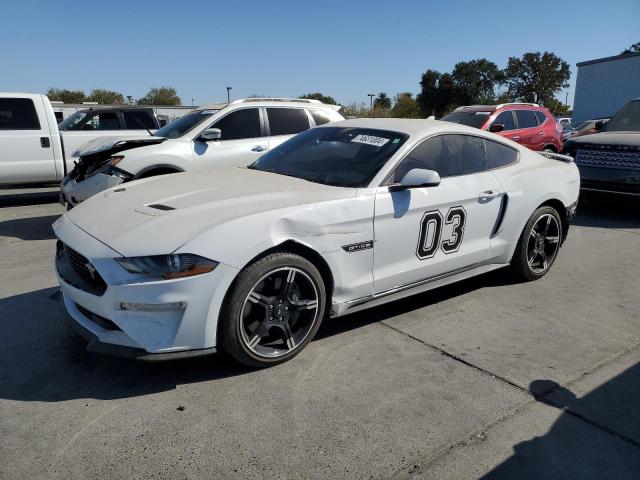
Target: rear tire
[[273, 310], [538, 245]]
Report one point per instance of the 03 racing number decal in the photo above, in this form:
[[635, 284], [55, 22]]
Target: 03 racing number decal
[[431, 230]]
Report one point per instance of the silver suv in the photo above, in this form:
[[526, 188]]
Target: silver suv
[[220, 135]]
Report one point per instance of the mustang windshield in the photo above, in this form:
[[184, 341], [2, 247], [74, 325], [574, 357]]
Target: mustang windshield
[[339, 156], [184, 124]]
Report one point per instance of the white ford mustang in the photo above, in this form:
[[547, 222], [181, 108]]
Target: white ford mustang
[[339, 218]]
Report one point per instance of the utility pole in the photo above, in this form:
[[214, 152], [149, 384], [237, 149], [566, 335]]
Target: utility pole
[[566, 98], [228, 96], [371, 95]]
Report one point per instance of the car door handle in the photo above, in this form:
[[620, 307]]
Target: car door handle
[[515, 137], [259, 148], [44, 142], [489, 194], [540, 133]]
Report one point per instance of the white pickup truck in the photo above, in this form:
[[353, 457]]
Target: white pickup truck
[[34, 148]]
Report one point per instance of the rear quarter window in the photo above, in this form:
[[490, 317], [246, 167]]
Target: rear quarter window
[[18, 114], [499, 155], [541, 117]]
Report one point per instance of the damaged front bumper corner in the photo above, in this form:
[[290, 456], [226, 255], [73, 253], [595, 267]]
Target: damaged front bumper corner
[[74, 192]]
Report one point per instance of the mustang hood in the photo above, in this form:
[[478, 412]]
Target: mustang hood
[[158, 215]]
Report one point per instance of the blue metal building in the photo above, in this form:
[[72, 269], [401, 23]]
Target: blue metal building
[[604, 85]]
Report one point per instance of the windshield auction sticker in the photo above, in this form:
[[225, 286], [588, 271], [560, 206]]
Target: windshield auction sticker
[[370, 140]]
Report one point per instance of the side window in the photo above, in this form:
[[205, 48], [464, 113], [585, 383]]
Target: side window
[[240, 124], [449, 155], [499, 155], [18, 114], [526, 119], [541, 117], [138, 119], [320, 117], [286, 121], [506, 119], [102, 121]]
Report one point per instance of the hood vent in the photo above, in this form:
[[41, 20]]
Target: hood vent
[[159, 206]]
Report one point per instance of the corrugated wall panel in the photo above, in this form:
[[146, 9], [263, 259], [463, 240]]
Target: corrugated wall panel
[[603, 88]]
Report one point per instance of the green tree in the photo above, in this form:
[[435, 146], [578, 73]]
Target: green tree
[[536, 77], [66, 96], [405, 106], [635, 48], [382, 101], [319, 96], [476, 81], [438, 94], [107, 97], [161, 96]]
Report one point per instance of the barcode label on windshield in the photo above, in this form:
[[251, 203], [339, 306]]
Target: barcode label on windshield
[[370, 140]]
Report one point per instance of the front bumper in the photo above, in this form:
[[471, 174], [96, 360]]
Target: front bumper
[[146, 334], [74, 192]]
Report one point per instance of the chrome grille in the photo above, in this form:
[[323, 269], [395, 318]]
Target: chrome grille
[[609, 156]]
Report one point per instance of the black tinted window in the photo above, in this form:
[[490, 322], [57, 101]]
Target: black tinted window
[[18, 114], [541, 117], [506, 119], [136, 120], [499, 155], [472, 119], [102, 121], [287, 121], [449, 155], [526, 119], [240, 124], [320, 117]]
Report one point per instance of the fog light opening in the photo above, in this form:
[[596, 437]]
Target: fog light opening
[[153, 307]]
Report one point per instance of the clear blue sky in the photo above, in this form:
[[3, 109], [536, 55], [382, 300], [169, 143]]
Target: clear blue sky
[[286, 48]]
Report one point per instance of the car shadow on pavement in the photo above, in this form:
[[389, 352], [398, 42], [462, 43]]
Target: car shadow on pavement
[[608, 211], [15, 196], [43, 360], [596, 436], [30, 228]]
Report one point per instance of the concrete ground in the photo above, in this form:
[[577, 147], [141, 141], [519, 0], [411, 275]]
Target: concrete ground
[[480, 379]]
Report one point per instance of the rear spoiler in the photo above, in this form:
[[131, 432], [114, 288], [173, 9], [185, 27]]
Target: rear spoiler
[[557, 156]]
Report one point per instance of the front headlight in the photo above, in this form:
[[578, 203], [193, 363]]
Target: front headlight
[[168, 266]]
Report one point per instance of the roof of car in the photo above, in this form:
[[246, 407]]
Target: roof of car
[[491, 108], [271, 102]]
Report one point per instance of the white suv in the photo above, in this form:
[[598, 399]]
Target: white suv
[[223, 135]]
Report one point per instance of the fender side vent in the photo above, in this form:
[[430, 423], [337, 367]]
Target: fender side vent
[[159, 206]]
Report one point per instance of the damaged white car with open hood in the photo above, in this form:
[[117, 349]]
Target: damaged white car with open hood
[[219, 135], [339, 218]]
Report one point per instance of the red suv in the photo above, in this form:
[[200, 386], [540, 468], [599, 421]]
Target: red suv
[[526, 123]]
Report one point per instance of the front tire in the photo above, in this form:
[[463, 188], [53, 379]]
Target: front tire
[[273, 310], [538, 245]]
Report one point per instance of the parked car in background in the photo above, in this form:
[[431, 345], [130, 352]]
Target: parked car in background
[[34, 148], [609, 160], [583, 128], [528, 124], [340, 218], [235, 135], [564, 122]]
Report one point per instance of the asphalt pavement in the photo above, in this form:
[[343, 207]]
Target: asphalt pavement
[[485, 378]]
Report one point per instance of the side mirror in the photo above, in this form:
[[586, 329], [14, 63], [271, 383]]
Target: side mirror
[[416, 178], [599, 124], [211, 134], [496, 127]]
